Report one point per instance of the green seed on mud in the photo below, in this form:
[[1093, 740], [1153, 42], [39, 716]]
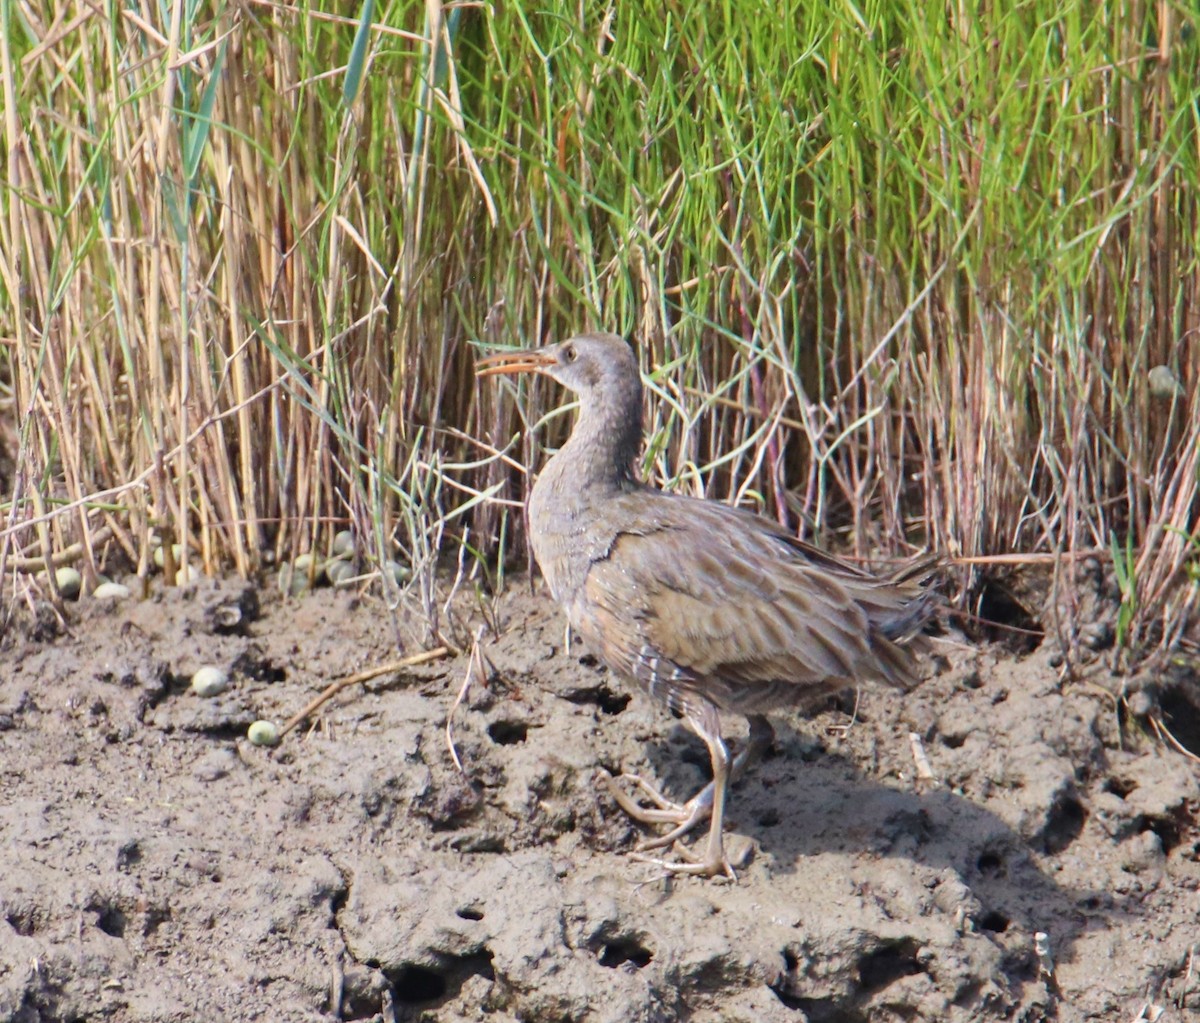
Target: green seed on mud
[[343, 544], [1165, 384], [293, 576], [340, 572], [210, 681], [69, 581], [263, 733], [111, 591], [400, 573], [187, 574], [305, 561], [176, 553]]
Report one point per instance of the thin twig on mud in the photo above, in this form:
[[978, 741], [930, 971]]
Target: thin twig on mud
[[1186, 986], [363, 676], [1164, 733], [920, 758], [841, 731], [475, 661], [991, 623]]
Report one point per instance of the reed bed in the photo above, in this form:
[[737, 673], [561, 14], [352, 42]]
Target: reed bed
[[906, 276]]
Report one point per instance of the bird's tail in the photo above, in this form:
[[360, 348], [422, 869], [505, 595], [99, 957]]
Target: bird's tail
[[901, 609]]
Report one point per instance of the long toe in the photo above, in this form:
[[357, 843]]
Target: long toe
[[694, 813], [664, 811], [690, 865]]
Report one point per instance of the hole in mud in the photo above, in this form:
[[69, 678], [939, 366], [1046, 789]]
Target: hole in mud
[[768, 818], [416, 984], [954, 741], [990, 864], [260, 669], [1119, 786], [508, 733], [994, 921], [1164, 828], [1096, 902], [1065, 823], [887, 965], [625, 950], [1180, 706], [112, 922], [589, 660], [1006, 619], [607, 700], [469, 913], [129, 854], [21, 922]]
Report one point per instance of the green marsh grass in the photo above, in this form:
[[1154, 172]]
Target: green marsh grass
[[898, 274]]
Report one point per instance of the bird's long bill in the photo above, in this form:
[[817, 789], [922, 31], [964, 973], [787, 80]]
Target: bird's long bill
[[528, 361]]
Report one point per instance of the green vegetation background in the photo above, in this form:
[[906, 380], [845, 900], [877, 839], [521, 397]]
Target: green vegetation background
[[917, 275]]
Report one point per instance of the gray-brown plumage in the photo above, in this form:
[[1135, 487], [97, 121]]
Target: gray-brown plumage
[[709, 608]]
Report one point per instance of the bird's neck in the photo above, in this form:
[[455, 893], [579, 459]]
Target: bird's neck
[[597, 460], [568, 502], [604, 443]]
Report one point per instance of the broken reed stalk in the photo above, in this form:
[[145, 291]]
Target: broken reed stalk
[[358, 678]]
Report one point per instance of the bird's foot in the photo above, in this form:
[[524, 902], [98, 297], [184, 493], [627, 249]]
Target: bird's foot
[[690, 864], [684, 816], [715, 863]]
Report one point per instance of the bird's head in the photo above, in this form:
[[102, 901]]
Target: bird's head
[[591, 365]]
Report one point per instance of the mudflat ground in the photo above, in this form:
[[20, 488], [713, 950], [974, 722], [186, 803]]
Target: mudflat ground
[[155, 866]]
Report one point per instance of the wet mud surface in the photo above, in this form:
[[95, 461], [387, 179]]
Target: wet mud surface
[[155, 866]]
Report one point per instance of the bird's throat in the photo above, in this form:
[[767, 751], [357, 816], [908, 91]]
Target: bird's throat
[[567, 505]]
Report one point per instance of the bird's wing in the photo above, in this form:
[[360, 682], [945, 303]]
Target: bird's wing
[[726, 598]]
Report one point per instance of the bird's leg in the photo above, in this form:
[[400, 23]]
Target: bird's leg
[[757, 743], [687, 815], [705, 723]]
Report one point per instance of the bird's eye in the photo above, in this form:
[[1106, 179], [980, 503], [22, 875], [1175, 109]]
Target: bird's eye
[[572, 353]]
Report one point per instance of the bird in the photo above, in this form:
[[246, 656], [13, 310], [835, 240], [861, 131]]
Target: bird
[[709, 608]]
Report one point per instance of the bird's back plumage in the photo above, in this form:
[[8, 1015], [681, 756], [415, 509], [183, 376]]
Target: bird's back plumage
[[694, 598]]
